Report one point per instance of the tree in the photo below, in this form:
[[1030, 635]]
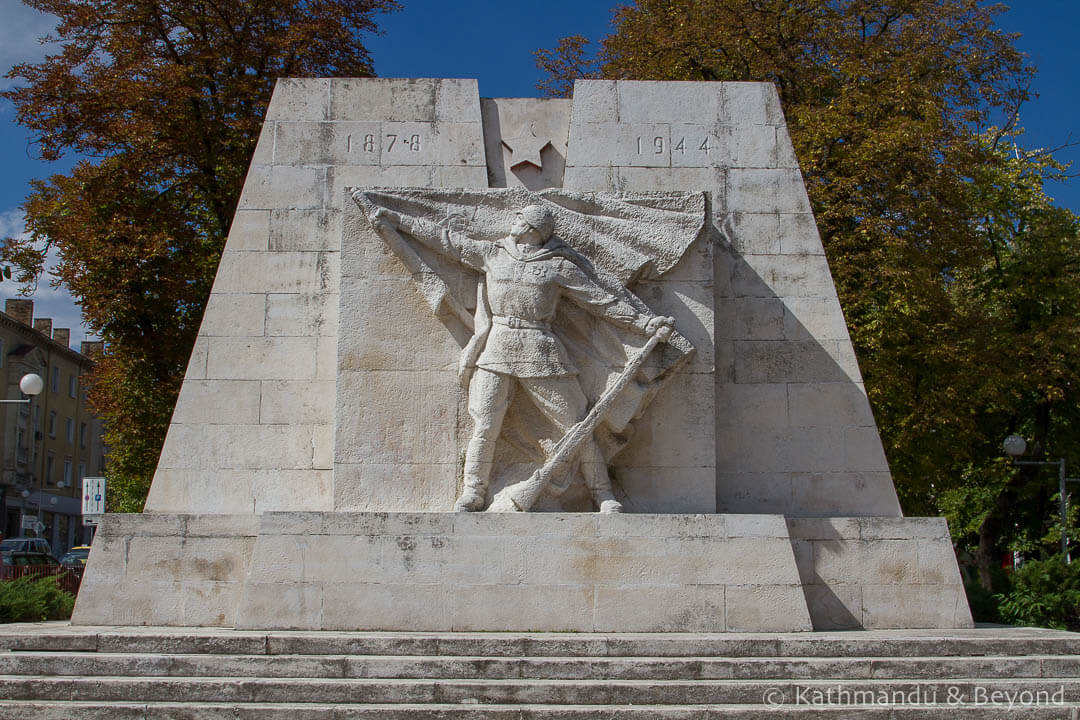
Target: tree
[[957, 275], [1021, 311], [165, 99]]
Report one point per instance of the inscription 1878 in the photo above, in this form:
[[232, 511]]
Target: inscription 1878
[[392, 142]]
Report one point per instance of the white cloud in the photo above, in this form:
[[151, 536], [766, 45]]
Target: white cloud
[[20, 31], [51, 302]]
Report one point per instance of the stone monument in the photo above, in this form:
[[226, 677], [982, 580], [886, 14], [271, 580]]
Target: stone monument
[[526, 311]]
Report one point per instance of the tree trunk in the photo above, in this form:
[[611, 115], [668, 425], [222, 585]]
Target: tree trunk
[[986, 557]]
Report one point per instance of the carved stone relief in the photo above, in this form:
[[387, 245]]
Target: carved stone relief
[[540, 282]]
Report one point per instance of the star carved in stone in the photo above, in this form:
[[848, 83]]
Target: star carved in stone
[[525, 149]]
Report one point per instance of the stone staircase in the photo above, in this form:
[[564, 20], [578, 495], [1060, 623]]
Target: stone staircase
[[55, 671]]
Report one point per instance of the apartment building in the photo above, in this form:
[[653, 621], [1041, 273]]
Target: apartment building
[[51, 443]]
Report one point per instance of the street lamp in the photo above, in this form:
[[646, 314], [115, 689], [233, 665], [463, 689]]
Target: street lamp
[[1014, 447], [31, 384]]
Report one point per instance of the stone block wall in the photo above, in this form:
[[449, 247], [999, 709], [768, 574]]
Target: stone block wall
[[580, 572], [793, 432], [879, 573], [147, 569], [254, 426]]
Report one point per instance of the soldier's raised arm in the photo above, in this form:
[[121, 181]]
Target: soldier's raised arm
[[455, 245], [584, 291]]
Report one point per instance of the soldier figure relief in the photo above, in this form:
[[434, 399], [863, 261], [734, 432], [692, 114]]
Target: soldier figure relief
[[522, 279]]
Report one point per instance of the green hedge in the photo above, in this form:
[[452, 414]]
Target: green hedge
[[1044, 593], [31, 599]]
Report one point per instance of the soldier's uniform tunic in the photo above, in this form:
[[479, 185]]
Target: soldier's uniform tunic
[[524, 286]]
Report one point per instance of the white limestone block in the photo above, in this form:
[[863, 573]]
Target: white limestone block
[[287, 402], [278, 272], [515, 129], [809, 318], [196, 367], [751, 103], [615, 143], [692, 608], [799, 235], [234, 314], [750, 318], [751, 406], [863, 449], [212, 448], [266, 358], [405, 100], [595, 101], [783, 276], [773, 361], [301, 314], [676, 429], [215, 402], [304, 230], [457, 100], [370, 417], [764, 608], [325, 358], [684, 102], [300, 99], [470, 176], [821, 494], [766, 190], [327, 143], [667, 489], [249, 231], [281, 186], [755, 233], [838, 403]]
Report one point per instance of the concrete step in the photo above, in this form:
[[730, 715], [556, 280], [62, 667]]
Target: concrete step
[[525, 691], [568, 668], [62, 710], [900, 643]]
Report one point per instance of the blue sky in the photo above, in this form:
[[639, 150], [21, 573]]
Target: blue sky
[[493, 41]]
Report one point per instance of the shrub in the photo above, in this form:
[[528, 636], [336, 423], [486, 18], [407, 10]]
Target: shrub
[[1044, 593], [31, 599]]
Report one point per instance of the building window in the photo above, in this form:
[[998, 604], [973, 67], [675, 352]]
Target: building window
[[49, 462], [56, 379], [70, 431], [52, 423], [82, 434], [67, 472], [82, 473], [73, 384]]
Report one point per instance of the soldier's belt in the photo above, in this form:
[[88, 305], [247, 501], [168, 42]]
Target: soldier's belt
[[520, 324]]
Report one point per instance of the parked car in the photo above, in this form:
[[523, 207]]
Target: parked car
[[25, 544], [76, 556], [14, 565], [25, 559]]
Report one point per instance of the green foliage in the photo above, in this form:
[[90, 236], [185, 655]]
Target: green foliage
[[166, 98], [29, 599], [1043, 593], [959, 278]]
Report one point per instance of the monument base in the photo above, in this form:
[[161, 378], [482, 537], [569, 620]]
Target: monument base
[[579, 572]]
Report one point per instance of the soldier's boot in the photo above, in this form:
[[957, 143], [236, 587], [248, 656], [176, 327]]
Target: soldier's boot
[[598, 481], [471, 499], [477, 470]]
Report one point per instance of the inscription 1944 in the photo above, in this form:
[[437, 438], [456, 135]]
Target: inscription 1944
[[659, 143]]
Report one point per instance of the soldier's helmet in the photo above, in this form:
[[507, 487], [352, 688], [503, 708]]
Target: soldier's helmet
[[540, 218]]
